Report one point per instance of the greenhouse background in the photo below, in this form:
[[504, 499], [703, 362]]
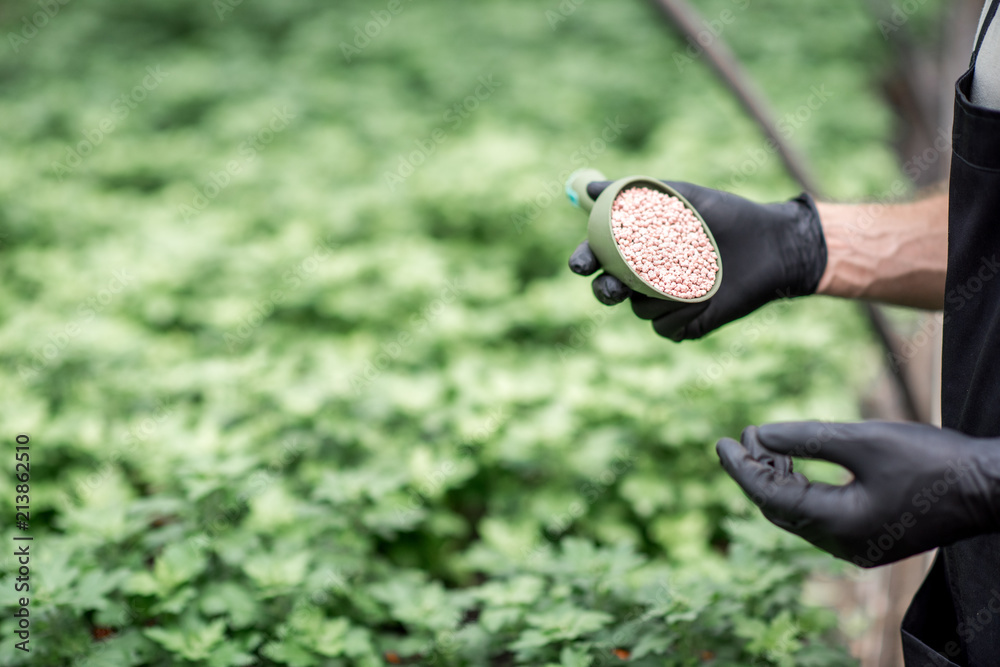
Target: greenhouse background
[[287, 317]]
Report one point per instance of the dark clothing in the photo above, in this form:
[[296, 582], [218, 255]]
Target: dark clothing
[[955, 617]]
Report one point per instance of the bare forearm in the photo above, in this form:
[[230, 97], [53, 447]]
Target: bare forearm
[[896, 253]]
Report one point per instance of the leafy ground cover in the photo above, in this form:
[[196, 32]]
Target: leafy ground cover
[[286, 315]]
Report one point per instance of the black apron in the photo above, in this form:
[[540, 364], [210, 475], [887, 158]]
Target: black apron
[[955, 617]]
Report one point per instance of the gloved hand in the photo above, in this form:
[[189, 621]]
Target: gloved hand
[[769, 251], [915, 486]]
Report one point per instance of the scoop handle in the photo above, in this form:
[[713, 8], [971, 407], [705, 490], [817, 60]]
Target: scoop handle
[[576, 187]]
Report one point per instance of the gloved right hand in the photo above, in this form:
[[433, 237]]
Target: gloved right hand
[[915, 486], [769, 251]]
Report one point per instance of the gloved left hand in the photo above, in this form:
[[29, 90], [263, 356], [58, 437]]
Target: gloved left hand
[[915, 486]]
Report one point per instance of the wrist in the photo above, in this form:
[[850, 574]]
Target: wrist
[[896, 253], [852, 267], [835, 282]]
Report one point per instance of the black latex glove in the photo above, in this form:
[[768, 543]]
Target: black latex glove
[[769, 251], [915, 486]]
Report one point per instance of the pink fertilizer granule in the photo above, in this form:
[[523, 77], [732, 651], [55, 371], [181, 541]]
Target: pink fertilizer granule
[[664, 242]]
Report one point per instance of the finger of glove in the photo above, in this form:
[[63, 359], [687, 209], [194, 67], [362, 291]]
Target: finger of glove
[[650, 308], [790, 500], [781, 463], [700, 197], [609, 290], [683, 324], [595, 188], [713, 205], [583, 261], [689, 191], [844, 444], [670, 321]]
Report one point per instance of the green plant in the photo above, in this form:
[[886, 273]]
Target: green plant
[[297, 413]]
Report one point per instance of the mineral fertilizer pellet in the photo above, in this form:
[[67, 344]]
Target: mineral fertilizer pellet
[[664, 242]]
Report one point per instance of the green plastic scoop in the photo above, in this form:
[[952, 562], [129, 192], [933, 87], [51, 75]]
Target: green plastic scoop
[[601, 237]]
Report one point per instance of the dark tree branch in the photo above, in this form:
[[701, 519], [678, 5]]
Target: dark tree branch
[[687, 19]]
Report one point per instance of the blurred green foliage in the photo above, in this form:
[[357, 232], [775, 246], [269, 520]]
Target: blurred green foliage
[[288, 412]]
